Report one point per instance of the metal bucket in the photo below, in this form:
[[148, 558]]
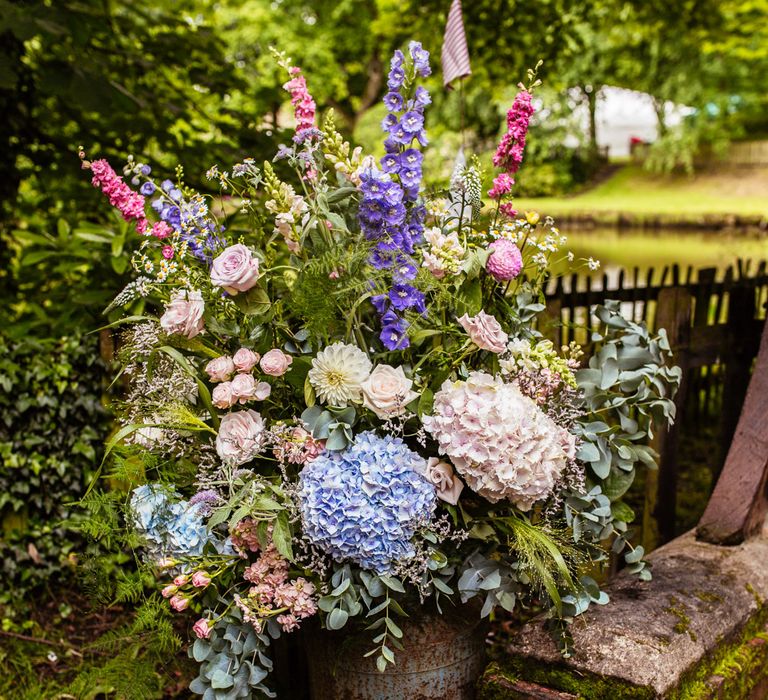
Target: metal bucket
[[444, 656]]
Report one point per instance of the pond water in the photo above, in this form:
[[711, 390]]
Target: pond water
[[618, 249]]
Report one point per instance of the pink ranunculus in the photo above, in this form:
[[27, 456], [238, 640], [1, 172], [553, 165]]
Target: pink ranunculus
[[447, 484], [275, 363], [168, 252], [202, 628], [169, 590], [184, 313], [200, 579], [244, 387], [245, 360], [505, 261], [485, 332], [235, 270], [241, 436], [223, 395], [179, 603], [220, 369]]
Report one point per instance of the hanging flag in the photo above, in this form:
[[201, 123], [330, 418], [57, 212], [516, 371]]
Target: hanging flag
[[455, 56]]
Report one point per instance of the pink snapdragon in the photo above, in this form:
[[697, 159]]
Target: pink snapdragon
[[509, 154], [129, 203], [303, 104], [502, 184]]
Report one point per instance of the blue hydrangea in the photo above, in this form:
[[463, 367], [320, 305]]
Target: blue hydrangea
[[364, 504], [169, 527]]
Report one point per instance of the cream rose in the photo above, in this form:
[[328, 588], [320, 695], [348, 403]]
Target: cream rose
[[387, 391], [275, 363], [184, 313], [245, 360], [241, 436], [220, 369], [236, 270], [223, 395], [443, 476], [485, 332]]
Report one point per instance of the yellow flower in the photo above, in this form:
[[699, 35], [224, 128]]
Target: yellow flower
[[532, 217]]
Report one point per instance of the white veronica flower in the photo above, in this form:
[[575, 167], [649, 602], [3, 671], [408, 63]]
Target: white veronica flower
[[338, 372]]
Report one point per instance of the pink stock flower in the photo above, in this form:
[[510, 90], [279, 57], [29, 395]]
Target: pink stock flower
[[505, 261], [275, 363], [508, 209], [485, 332], [502, 184], [129, 203], [245, 360], [179, 603], [509, 154], [220, 369], [200, 579], [161, 230], [303, 104], [202, 628]]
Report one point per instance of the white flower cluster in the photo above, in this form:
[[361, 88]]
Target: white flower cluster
[[500, 441], [445, 255]]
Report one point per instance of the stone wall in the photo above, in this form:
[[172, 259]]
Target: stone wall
[[698, 630]]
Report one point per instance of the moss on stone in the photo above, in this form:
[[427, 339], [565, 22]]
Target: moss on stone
[[683, 624], [740, 665], [498, 676]]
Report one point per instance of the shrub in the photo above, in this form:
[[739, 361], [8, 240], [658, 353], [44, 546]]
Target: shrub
[[52, 426]]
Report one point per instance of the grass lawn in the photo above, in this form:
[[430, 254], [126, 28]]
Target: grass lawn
[[720, 190]]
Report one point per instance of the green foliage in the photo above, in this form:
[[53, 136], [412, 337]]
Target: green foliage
[[51, 431]]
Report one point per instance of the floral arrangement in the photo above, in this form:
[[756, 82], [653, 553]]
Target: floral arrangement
[[345, 407]]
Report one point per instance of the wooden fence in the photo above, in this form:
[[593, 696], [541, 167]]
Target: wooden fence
[[714, 322]]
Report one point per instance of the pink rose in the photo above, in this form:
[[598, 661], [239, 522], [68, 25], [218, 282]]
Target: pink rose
[[241, 437], [387, 391], [505, 261], [169, 590], [243, 387], [245, 360], [202, 628], [180, 580], [223, 395], [447, 484], [220, 369], [236, 270], [179, 603], [275, 363], [200, 579], [485, 332], [184, 313]]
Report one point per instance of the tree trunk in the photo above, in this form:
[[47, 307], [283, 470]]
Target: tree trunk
[[659, 106]]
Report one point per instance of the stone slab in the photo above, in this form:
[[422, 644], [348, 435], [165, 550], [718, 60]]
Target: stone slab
[[652, 634]]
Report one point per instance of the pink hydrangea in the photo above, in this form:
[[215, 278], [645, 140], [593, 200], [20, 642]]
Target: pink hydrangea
[[502, 184], [503, 445], [129, 203], [509, 154], [505, 261], [303, 104]]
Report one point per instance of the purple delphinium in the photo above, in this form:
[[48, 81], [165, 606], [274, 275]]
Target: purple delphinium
[[389, 211]]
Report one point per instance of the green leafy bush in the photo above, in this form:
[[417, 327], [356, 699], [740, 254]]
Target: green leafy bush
[[52, 426]]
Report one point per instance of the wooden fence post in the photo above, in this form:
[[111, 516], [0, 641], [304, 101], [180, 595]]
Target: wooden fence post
[[673, 313], [739, 503]]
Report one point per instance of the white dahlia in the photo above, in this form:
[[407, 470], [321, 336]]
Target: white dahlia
[[338, 372], [499, 440]]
